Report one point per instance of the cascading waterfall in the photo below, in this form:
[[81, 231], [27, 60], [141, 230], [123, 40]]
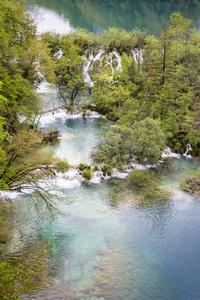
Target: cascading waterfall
[[91, 59], [110, 62], [188, 148], [119, 62], [59, 54], [89, 63], [86, 68], [137, 55], [168, 153]]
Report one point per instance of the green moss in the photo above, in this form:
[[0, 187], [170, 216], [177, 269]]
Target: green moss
[[96, 168], [82, 166], [140, 177], [63, 165], [87, 174]]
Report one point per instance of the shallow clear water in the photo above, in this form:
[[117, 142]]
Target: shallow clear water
[[79, 135], [110, 242]]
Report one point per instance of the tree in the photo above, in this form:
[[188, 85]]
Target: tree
[[23, 158], [149, 141], [69, 72], [116, 148], [144, 142], [24, 63]]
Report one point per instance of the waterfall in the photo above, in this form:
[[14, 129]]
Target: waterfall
[[119, 62], [110, 62], [59, 54], [167, 153], [98, 56], [188, 148], [89, 63], [91, 59], [86, 68], [137, 55]]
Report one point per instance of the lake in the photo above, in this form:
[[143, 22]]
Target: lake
[[95, 16], [109, 240]]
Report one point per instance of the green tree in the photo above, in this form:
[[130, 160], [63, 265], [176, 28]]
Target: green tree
[[120, 145], [69, 72]]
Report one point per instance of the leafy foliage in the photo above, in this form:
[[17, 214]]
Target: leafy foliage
[[121, 144], [18, 278]]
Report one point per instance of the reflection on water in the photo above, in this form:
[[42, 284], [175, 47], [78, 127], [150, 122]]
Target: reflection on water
[[48, 20], [128, 14]]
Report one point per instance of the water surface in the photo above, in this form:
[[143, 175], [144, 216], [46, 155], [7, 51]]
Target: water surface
[[110, 241], [96, 15]]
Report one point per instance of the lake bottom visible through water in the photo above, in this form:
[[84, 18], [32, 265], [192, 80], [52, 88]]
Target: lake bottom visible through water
[[109, 240]]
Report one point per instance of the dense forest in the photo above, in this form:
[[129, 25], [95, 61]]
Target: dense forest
[[148, 86]]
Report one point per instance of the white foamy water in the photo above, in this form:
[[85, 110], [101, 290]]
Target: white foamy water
[[167, 153], [89, 64], [119, 62], [138, 166], [96, 178], [188, 148], [50, 117], [59, 54], [44, 88], [10, 195], [68, 180], [62, 114], [117, 174], [137, 55]]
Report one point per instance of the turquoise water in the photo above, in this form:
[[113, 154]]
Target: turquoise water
[[132, 250], [109, 241], [96, 15]]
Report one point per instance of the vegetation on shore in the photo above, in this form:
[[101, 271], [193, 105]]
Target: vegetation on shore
[[152, 97]]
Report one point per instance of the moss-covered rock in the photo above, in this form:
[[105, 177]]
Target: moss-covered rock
[[190, 181]]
